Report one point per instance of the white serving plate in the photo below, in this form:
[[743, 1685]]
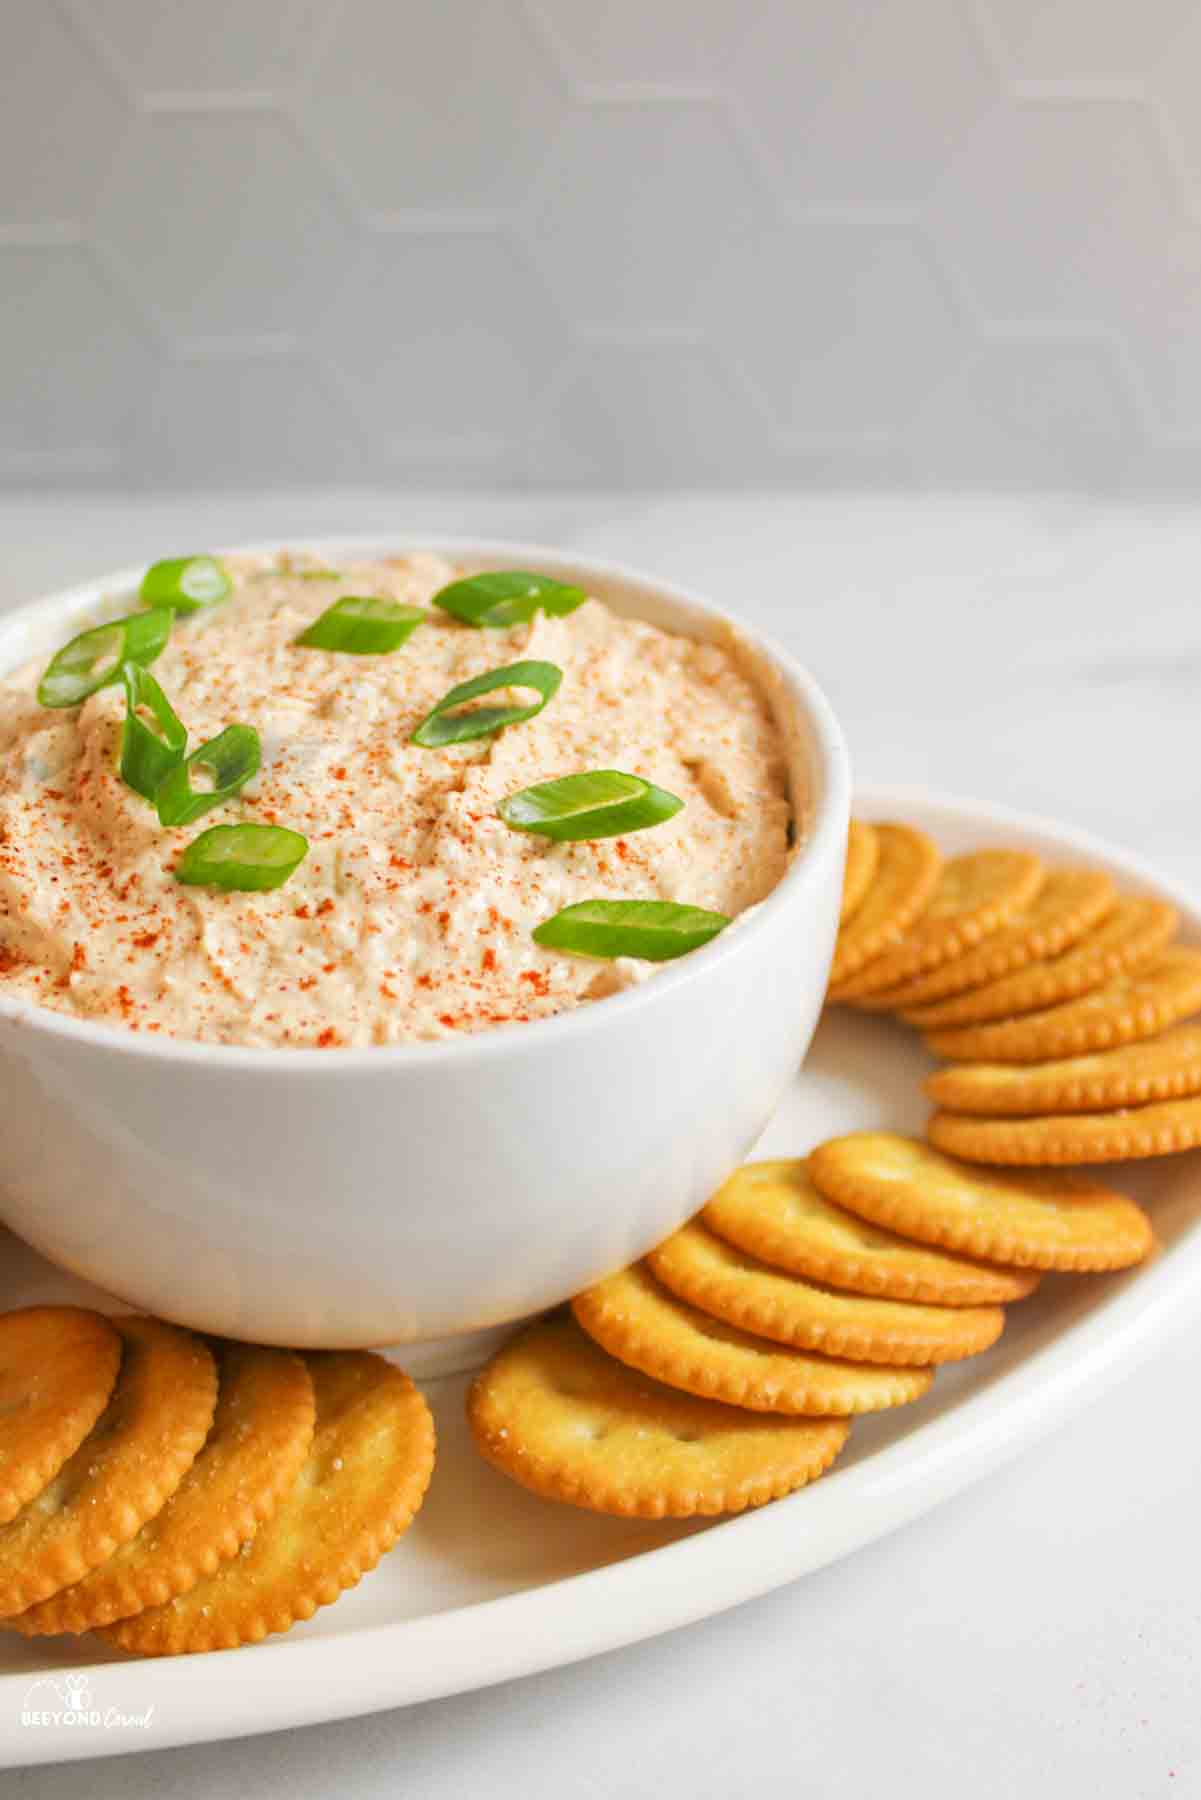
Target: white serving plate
[[492, 1583]]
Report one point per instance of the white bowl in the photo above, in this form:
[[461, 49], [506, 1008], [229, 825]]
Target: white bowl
[[415, 1194]]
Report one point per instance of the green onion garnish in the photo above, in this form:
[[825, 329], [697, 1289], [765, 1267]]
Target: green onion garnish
[[153, 737], [185, 583], [598, 803], [445, 726], [230, 759], [279, 569], [93, 659], [655, 930], [242, 858], [507, 597], [363, 626]]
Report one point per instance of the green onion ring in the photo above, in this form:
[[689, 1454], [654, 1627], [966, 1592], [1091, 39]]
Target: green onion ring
[[597, 803], [186, 583], [654, 930], [231, 758], [83, 666], [242, 858], [507, 597], [149, 752], [361, 625], [444, 726]]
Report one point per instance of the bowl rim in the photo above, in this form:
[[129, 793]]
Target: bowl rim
[[831, 801]]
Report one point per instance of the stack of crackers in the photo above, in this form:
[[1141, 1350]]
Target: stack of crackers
[[1060, 1001], [723, 1371], [174, 1494]]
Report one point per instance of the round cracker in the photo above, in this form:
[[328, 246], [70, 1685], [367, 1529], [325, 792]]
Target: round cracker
[[124, 1471], [863, 853], [1058, 1141], [741, 1290], [1035, 1220], [359, 1488], [907, 868], [1066, 907], [1167, 1067], [1129, 1008], [773, 1211], [975, 894], [1133, 932], [58, 1366], [555, 1413], [639, 1322], [260, 1436]]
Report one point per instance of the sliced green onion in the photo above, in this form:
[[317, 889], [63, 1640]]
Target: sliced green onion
[[94, 659], [655, 930], [150, 746], [243, 858], [507, 597], [285, 570], [446, 726], [186, 583], [361, 625], [231, 758], [598, 803]]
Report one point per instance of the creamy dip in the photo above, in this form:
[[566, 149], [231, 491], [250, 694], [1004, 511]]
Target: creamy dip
[[411, 916]]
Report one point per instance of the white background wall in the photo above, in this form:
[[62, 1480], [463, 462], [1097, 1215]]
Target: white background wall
[[604, 241]]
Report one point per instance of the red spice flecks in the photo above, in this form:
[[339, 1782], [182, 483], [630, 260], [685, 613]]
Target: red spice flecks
[[425, 981], [125, 1001], [339, 773], [447, 1019], [444, 920], [489, 961], [327, 1039], [78, 959], [328, 968], [387, 992], [327, 906], [9, 960], [306, 982], [398, 862], [622, 849], [537, 980], [301, 912]]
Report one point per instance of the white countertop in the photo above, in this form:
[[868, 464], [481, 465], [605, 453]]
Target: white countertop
[[1040, 1635]]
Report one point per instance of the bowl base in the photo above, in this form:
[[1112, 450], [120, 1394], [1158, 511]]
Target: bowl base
[[450, 1355]]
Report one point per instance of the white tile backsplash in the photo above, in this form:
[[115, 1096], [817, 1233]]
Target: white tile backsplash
[[694, 241]]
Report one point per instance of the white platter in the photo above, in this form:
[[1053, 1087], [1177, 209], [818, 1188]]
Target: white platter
[[492, 1583]]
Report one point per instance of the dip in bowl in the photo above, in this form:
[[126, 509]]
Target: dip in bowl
[[385, 1099]]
